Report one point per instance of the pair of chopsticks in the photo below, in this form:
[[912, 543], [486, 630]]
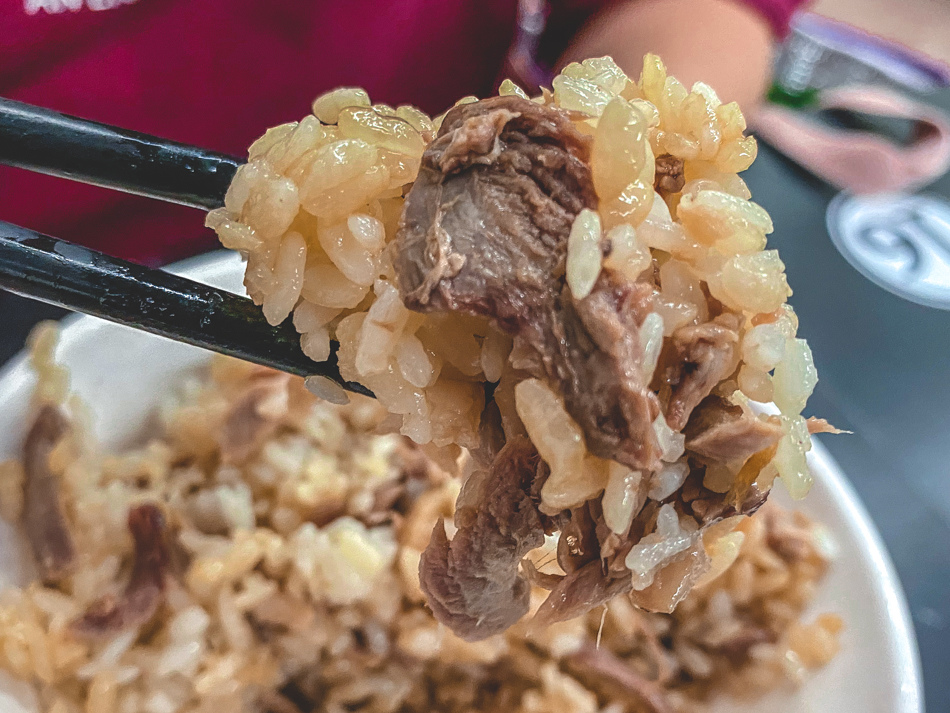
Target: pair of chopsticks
[[67, 275]]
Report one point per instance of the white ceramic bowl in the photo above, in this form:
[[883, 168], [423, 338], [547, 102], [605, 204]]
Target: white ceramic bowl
[[120, 373]]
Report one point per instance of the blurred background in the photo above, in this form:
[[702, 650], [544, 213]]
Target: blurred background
[[920, 24], [882, 358], [871, 277]]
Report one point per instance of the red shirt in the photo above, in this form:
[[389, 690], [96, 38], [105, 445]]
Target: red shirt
[[217, 73]]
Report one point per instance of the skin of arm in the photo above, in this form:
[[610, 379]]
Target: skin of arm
[[723, 43]]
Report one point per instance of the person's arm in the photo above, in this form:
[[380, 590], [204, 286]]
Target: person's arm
[[725, 43]]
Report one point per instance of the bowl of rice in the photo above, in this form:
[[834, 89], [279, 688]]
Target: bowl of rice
[[187, 533], [140, 394]]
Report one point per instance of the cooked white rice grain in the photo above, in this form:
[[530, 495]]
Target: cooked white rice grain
[[627, 255], [288, 275], [584, 254], [327, 107], [795, 377], [622, 497]]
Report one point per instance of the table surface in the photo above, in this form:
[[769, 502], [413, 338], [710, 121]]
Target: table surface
[[884, 375]]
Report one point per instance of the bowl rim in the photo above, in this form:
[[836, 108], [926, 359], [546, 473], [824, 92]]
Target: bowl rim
[[901, 633], [217, 266]]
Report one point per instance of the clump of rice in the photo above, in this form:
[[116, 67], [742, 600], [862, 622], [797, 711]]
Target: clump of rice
[[315, 212], [318, 202], [295, 583]]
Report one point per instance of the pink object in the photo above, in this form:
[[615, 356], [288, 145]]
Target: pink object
[[859, 161], [217, 73], [778, 12]]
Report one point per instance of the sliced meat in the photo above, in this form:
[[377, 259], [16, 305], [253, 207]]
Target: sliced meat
[[736, 648], [472, 583], [254, 417], [708, 506], [484, 232], [43, 518], [577, 543], [670, 176], [485, 225], [616, 679], [821, 425], [791, 540], [540, 579], [413, 463], [145, 591], [599, 370], [491, 435], [720, 431], [580, 591], [700, 357]]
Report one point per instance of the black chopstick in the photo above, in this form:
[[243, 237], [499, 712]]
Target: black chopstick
[[46, 141], [67, 275], [83, 280]]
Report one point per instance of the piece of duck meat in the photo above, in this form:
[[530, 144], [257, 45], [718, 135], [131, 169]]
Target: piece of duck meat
[[708, 507], [600, 574], [473, 583], [254, 416], [491, 435], [821, 425], [485, 225], [43, 519], [737, 647], [670, 176], [145, 592], [699, 357], [788, 534], [484, 232], [580, 591], [615, 678], [600, 372], [605, 577], [537, 578], [721, 431], [577, 542]]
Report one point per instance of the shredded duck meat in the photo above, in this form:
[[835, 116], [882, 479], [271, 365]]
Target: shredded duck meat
[[720, 431], [605, 671], [145, 592], [484, 232], [43, 517], [670, 176], [580, 591], [472, 583], [254, 417], [821, 425], [701, 356]]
